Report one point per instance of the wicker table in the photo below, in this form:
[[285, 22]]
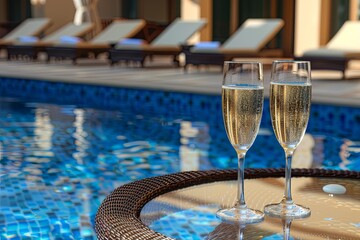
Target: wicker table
[[143, 209]]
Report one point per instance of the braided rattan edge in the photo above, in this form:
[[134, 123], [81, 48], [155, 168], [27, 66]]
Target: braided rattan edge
[[118, 216]]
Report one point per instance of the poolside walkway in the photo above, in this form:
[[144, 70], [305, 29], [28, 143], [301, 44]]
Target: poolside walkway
[[160, 75]]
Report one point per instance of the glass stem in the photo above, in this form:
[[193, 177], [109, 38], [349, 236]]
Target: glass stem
[[241, 233], [241, 196], [287, 195], [286, 229]]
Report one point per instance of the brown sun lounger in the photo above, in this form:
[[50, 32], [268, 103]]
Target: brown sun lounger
[[30, 27], [167, 43], [248, 41], [101, 43], [341, 49], [31, 49]]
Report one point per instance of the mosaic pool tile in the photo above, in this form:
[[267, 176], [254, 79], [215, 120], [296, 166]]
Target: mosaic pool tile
[[60, 156]]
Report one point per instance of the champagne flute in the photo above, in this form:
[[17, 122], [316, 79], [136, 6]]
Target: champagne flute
[[290, 100], [242, 105]]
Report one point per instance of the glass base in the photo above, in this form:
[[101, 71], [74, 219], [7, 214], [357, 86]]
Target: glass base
[[289, 211], [240, 215]]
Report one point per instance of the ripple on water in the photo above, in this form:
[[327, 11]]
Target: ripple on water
[[57, 163]]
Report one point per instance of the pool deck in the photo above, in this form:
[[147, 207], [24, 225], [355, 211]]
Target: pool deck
[[328, 87]]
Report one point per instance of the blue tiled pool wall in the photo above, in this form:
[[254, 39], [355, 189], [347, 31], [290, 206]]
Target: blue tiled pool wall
[[325, 119], [106, 97], [49, 201], [202, 106]]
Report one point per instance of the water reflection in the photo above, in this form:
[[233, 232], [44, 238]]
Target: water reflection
[[57, 163], [350, 155], [236, 231], [317, 151], [303, 155], [195, 140], [285, 235], [80, 135], [39, 153], [230, 231], [43, 131]]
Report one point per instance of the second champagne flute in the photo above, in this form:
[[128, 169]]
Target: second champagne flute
[[290, 100], [242, 106]]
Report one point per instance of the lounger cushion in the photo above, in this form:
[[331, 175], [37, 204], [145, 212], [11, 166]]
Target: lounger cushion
[[170, 39], [112, 34], [27, 39], [30, 27], [211, 44], [208, 47], [254, 34], [68, 31], [118, 30], [345, 43], [70, 39], [251, 37], [131, 41], [326, 52], [178, 32], [347, 38]]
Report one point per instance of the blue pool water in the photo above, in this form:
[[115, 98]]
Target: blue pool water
[[64, 148]]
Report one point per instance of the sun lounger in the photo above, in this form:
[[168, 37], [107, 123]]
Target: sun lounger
[[30, 27], [101, 43], [248, 41], [30, 48], [342, 48], [167, 43]]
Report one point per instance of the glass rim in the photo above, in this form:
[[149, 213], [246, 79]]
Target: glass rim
[[243, 62], [291, 61]]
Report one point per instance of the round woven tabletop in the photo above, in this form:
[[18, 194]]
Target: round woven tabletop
[[118, 216]]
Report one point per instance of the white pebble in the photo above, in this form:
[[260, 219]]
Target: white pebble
[[334, 189]]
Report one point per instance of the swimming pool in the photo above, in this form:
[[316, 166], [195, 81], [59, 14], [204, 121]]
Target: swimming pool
[[65, 147]]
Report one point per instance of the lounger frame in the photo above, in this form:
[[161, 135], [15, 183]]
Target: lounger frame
[[89, 49], [238, 45], [32, 50], [329, 63], [344, 45], [141, 54], [217, 59]]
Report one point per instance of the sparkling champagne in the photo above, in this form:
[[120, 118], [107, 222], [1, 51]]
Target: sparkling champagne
[[242, 110], [290, 110]]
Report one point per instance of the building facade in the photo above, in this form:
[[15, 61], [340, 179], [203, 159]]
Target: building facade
[[308, 23]]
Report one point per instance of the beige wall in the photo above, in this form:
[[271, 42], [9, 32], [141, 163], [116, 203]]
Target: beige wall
[[154, 10], [109, 9], [206, 12], [307, 25], [354, 9], [3, 13], [61, 12], [190, 10]]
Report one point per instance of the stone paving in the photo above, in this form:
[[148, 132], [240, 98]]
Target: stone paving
[[328, 87]]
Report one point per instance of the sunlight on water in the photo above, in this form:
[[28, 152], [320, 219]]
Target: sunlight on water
[[57, 163]]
